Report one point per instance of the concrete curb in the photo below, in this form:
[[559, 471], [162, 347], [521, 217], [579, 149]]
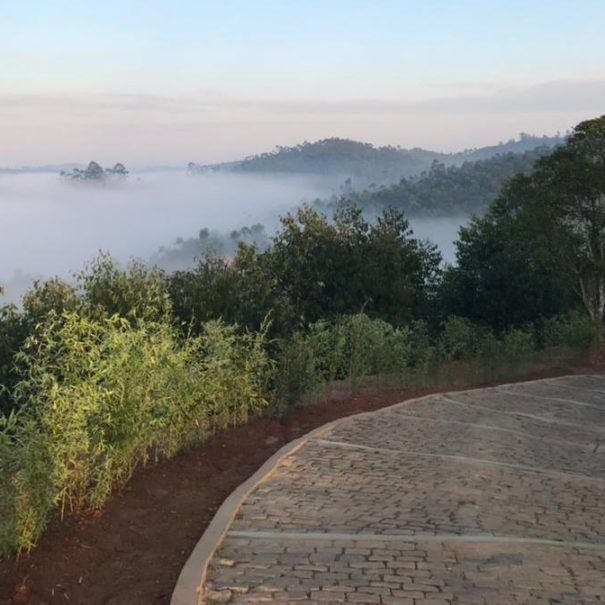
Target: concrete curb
[[188, 588]]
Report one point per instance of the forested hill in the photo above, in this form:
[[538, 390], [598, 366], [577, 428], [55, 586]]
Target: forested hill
[[448, 190], [365, 163], [525, 142], [336, 157]]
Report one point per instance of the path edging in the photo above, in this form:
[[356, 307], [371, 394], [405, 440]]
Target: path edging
[[188, 588]]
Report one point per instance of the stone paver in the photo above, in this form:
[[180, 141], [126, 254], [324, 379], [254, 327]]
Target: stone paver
[[494, 496]]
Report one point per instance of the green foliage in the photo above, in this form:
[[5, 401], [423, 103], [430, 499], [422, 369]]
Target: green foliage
[[8, 468], [505, 274], [449, 190], [100, 396], [574, 330], [101, 290], [51, 296], [518, 344], [540, 250], [350, 348], [44, 299], [135, 292], [461, 339], [325, 269], [373, 347], [357, 348], [234, 373], [296, 375], [317, 269], [422, 347], [241, 291], [14, 329]]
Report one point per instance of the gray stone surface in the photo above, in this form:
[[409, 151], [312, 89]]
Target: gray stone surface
[[493, 496]]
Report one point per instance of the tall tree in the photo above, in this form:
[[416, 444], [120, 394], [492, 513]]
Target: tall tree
[[571, 183], [542, 241]]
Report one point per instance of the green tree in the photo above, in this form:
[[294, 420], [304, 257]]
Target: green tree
[[540, 249], [347, 265], [571, 184], [506, 273]]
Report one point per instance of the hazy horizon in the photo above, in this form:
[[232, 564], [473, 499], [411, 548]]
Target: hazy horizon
[[198, 81], [140, 168]]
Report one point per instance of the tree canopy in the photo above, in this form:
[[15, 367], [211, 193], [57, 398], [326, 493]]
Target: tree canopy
[[315, 268], [95, 172], [449, 190], [541, 246]]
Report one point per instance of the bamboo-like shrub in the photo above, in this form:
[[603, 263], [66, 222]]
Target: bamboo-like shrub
[[100, 397]]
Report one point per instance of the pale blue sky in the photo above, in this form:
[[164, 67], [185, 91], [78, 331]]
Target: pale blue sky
[[170, 80]]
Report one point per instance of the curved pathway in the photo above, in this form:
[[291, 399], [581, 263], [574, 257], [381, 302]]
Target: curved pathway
[[491, 496]]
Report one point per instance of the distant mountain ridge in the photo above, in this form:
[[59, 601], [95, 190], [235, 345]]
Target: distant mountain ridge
[[365, 162], [525, 142], [38, 169]]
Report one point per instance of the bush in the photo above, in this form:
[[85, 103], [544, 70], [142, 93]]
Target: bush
[[350, 348], [14, 329], [423, 350], [461, 339], [8, 541], [296, 374], [574, 330], [518, 344], [134, 292], [374, 347], [100, 397], [46, 297], [95, 396]]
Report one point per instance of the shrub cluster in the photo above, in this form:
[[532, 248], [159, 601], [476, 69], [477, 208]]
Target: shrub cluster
[[100, 396], [356, 347]]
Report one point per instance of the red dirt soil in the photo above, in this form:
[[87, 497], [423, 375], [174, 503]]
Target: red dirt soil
[[132, 551]]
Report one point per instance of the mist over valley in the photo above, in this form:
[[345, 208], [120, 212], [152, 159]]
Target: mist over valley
[[170, 217], [52, 226]]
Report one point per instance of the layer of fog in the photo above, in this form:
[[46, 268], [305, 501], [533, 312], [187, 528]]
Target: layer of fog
[[50, 226], [440, 231]]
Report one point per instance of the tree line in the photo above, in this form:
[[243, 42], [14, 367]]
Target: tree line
[[442, 190]]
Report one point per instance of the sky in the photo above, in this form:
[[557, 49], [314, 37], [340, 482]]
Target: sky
[[150, 82]]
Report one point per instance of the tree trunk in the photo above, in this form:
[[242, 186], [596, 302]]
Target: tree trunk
[[592, 290]]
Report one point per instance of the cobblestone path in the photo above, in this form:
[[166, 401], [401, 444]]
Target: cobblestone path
[[492, 496]]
